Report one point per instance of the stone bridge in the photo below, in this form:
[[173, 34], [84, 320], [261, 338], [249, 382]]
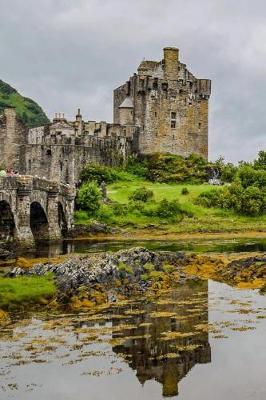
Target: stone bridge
[[33, 209]]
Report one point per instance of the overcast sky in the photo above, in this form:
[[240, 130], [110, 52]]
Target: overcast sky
[[72, 53]]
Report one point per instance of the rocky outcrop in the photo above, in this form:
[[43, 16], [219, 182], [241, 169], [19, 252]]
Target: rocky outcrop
[[104, 268]]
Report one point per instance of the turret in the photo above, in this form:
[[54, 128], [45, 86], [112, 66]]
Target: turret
[[126, 112]]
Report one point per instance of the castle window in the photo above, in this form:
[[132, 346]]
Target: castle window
[[155, 114], [49, 152], [199, 125], [173, 119]]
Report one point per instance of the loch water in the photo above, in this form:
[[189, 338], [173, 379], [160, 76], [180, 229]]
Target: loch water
[[199, 341]]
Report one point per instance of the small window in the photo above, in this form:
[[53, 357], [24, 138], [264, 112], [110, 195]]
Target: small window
[[49, 152], [199, 125], [155, 114], [173, 119], [173, 115]]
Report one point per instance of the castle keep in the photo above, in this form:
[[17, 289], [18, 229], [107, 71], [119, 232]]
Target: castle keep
[[168, 105]]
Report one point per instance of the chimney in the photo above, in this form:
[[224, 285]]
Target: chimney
[[171, 61]]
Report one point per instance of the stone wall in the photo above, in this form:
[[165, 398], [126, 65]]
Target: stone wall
[[12, 135], [59, 151]]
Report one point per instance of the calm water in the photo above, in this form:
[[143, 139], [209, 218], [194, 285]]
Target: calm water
[[88, 245], [202, 342]]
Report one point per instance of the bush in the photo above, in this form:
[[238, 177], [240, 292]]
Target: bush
[[168, 209], [248, 201], [137, 167], [97, 173], [228, 172], [172, 168], [142, 194], [250, 176], [253, 201], [184, 191], [89, 197], [119, 209]]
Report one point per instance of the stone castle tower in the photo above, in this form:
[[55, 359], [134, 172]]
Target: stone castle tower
[[168, 105]]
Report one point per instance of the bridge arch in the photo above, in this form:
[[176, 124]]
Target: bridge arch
[[62, 221], [38, 222], [7, 222]]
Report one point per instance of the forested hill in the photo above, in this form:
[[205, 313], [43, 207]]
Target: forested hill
[[28, 110]]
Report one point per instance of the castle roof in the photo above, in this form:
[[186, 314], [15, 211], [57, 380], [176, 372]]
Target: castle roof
[[127, 103]]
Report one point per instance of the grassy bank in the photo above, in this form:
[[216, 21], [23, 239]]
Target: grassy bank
[[15, 292], [195, 218]]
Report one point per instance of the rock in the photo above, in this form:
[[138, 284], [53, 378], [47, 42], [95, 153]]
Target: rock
[[103, 268]]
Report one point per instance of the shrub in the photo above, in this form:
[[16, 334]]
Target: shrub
[[89, 197], [249, 176], [97, 173], [105, 214], [137, 167], [142, 194], [184, 191], [119, 209], [248, 201], [253, 201], [208, 199], [168, 209], [228, 172]]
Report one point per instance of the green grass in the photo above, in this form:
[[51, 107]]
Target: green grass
[[26, 289], [201, 219]]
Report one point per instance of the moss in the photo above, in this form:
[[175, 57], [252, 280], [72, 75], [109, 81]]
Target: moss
[[122, 267], [167, 268], [148, 267]]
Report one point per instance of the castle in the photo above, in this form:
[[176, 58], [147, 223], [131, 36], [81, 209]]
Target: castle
[[161, 108]]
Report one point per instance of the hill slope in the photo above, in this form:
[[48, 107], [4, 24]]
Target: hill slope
[[28, 110]]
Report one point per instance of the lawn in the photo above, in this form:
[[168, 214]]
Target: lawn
[[198, 219]]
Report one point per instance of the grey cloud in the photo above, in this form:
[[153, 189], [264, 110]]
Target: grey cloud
[[73, 53]]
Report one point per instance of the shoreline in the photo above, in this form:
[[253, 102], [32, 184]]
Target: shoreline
[[154, 234]]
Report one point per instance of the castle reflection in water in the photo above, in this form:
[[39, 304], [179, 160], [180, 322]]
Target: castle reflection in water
[[166, 347]]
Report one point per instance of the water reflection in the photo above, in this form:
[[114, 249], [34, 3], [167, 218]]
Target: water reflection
[[162, 339], [164, 345], [98, 245]]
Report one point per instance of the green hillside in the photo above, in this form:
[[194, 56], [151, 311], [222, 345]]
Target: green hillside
[[28, 110]]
